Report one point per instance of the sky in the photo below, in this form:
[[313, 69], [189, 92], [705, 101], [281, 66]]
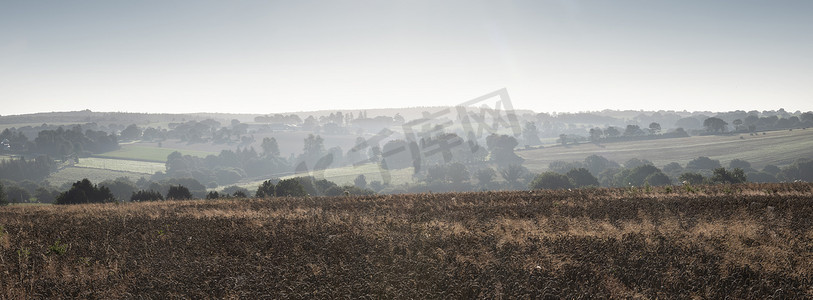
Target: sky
[[284, 56]]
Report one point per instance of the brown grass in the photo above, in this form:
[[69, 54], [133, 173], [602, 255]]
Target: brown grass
[[743, 241]]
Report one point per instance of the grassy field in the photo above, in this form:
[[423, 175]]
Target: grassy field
[[775, 147], [742, 242], [132, 166], [74, 174], [149, 153], [346, 175]]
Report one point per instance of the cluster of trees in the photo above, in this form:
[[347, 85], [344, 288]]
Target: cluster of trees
[[21, 169], [84, 191], [631, 133], [228, 167], [61, 143]]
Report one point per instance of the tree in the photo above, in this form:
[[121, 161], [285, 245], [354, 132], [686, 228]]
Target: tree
[[612, 131], [45, 195], [551, 180], [633, 130], [771, 169], [235, 191], [266, 189], [512, 174], [314, 147], [654, 127], [84, 191], [290, 187], [636, 162], [715, 125], [360, 181], [672, 167], [436, 173], [581, 177], [146, 195], [212, 195], [737, 123], [595, 134], [658, 178], [132, 132], [396, 154], [501, 149], [270, 147], [739, 164], [122, 187], [639, 176], [178, 192], [692, 178], [531, 134], [17, 194], [457, 173], [597, 164], [485, 177], [703, 163], [721, 175]]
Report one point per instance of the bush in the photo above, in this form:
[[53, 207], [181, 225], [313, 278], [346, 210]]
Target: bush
[[703, 163], [721, 175], [739, 163], [178, 192], [290, 187], [266, 189], [146, 195], [551, 180], [235, 191], [672, 167], [212, 195], [581, 177], [658, 179], [692, 178], [85, 192], [639, 176]]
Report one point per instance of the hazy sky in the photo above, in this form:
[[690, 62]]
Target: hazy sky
[[276, 56]]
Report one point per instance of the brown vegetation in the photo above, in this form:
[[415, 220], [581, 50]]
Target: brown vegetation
[[741, 241]]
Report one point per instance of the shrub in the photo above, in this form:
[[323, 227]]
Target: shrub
[[551, 180], [178, 192], [85, 192], [290, 187], [703, 163], [144, 195], [692, 178], [721, 175], [581, 177], [266, 189]]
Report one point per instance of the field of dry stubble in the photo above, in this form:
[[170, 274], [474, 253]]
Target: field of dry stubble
[[743, 241]]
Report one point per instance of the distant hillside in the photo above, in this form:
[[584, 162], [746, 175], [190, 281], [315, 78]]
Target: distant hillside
[[775, 147]]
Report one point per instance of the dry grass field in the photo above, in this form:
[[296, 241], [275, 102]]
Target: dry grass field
[[741, 241], [775, 147]]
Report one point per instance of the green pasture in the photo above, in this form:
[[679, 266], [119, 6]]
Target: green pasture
[[74, 174], [133, 166], [154, 154], [346, 175]]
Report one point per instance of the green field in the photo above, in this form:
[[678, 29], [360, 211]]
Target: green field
[[74, 174], [154, 154], [346, 175], [775, 147], [133, 166]]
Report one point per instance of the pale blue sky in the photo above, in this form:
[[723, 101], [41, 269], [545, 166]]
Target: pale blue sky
[[276, 56]]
